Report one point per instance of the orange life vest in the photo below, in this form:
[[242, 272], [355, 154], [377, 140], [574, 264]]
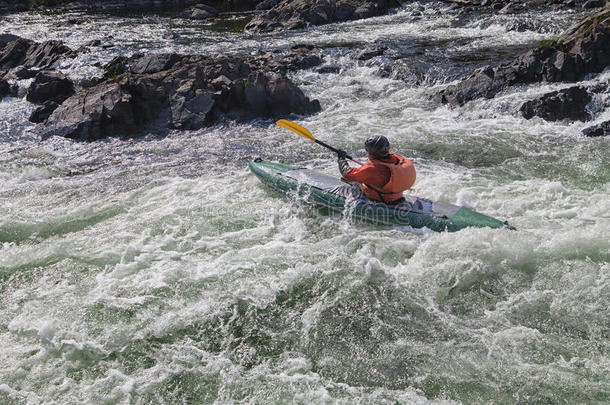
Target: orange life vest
[[402, 177]]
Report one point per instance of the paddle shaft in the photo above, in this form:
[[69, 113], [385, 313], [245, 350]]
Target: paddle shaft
[[335, 150]]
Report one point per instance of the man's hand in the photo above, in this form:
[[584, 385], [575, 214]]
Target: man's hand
[[342, 154]]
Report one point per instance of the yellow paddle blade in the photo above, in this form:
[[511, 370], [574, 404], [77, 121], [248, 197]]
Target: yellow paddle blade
[[296, 128]]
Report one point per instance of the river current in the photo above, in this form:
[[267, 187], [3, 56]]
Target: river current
[[160, 270]]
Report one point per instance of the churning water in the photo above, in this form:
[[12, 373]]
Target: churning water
[[159, 270]]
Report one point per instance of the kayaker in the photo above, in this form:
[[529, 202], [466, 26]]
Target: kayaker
[[385, 176]]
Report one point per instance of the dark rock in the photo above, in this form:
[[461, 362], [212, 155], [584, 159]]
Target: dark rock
[[6, 38], [102, 111], [41, 113], [50, 85], [20, 73], [602, 129], [370, 53], [582, 50], [191, 107], [154, 63], [328, 69], [115, 67], [5, 88], [23, 52], [299, 14], [594, 4], [186, 92], [200, 12], [568, 103], [266, 5]]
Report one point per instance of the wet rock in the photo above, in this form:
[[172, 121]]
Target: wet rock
[[50, 86], [20, 73], [298, 14], [370, 53], [594, 4], [104, 110], [266, 4], [154, 63], [568, 103], [200, 12], [5, 88], [328, 69], [30, 54], [582, 50], [186, 92], [41, 113], [602, 129]]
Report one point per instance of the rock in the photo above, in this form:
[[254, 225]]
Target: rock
[[266, 5], [102, 111], [370, 53], [23, 52], [191, 107], [200, 12], [298, 14], [185, 92], [41, 113], [602, 129], [20, 73], [5, 88], [154, 63], [594, 4], [583, 49], [568, 103], [50, 86]]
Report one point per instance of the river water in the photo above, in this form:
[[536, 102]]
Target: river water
[[159, 270]]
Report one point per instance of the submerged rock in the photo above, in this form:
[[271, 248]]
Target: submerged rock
[[582, 50], [298, 14], [568, 103]]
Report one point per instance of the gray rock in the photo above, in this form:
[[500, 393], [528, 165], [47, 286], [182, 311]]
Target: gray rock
[[567, 103], [583, 49], [102, 111], [50, 85], [299, 14], [41, 113], [602, 129]]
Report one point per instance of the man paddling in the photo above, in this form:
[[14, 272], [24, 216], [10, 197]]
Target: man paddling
[[385, 176]]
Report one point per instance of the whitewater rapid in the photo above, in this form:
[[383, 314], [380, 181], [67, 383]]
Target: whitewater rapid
[[159, 270]]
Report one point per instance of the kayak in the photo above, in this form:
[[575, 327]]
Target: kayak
[[347, 198]]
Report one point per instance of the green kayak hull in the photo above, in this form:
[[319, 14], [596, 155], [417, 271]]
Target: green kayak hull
[[329, 192]]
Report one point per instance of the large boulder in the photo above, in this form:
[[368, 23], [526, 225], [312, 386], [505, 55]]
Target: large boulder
[[567, 103], [298, 14], [102, 111], [582, 50], [50, 85], [170, 91]]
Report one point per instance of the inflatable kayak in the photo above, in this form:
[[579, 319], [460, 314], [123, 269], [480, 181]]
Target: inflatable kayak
[[347, 198]]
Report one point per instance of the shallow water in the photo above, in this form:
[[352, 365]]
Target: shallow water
[[160, 270]]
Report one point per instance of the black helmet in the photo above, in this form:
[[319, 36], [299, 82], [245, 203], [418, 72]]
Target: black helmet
[[378, 146]]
